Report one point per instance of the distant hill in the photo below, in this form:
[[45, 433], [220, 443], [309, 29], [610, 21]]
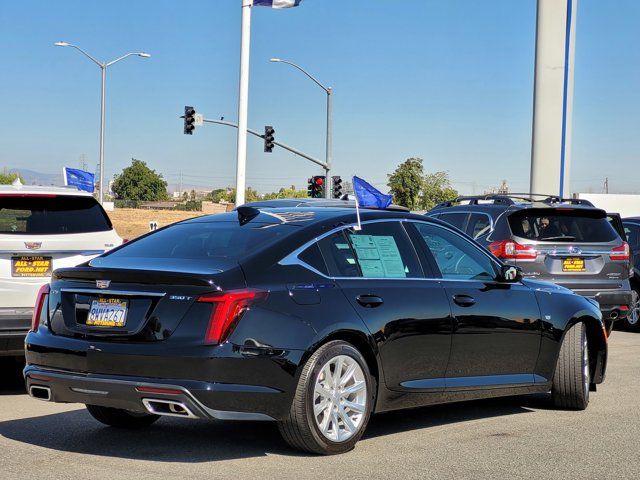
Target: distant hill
[[32, 177]]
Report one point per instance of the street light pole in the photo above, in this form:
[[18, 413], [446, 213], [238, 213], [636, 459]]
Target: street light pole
[[103, 67], [329, 139], [102, 114]]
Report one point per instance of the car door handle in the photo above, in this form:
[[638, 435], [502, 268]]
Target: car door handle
[[369, 301], [464, 300]]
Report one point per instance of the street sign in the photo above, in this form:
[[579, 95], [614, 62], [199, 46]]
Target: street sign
[[199, 119]]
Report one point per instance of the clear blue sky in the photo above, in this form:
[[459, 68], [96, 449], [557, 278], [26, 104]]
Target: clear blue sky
[[447, 81]]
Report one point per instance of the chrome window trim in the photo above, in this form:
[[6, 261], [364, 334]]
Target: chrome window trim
[[293, 257], [125, 293]]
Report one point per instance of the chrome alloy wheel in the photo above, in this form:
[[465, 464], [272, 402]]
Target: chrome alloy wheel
[[340, 398]]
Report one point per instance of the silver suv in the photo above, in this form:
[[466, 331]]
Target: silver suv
[[565, 241]]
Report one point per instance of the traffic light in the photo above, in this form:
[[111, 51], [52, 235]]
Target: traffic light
[[269, 138], [337, 186], [189, 120], [316, 186]]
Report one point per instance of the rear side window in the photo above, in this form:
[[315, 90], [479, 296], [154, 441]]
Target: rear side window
[[339, 256], [479, 225], [51, 215], [200, 240], [562, 225], [313, 257], [455, 219], [383, 250]]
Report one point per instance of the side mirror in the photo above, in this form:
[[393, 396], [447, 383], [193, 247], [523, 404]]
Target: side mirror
[[510, 274]]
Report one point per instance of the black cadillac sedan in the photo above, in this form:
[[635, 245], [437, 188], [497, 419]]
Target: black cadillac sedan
[[303, 317]]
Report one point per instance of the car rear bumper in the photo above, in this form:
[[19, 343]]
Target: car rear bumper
[[215, 382], [149, 395], [612, 303], [14, 325]]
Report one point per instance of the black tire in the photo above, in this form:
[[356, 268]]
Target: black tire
[[571, 379], [299, 429], [119, 418]]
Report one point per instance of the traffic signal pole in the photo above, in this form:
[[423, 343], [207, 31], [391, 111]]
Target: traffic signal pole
[[324, 165], [329, 144]]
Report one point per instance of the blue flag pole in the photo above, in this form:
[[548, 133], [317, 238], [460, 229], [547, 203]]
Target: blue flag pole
[[358, 227]]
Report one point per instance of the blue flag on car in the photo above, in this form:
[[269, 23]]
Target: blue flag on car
[[369, 196], [276, 3], [79, 178]]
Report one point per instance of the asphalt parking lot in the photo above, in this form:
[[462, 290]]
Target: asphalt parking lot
[[520, 437]]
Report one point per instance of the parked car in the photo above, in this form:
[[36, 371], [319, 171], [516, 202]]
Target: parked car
[[632, 231], [565, 241], [41, 229], [296, 315]]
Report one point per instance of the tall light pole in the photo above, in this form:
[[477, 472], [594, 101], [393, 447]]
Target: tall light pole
[[103, 67], [329, 141]]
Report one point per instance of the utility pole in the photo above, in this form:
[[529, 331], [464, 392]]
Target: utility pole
[[606, 185]]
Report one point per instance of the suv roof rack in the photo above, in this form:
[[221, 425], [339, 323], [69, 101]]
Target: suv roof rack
[[509, 199]]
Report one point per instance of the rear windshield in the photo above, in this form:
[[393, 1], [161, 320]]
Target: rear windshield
[[200, 240], [51, 215], [560, 225]]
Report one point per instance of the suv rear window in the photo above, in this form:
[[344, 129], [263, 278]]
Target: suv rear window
[[203, 240], [562, 225], [51, 215]]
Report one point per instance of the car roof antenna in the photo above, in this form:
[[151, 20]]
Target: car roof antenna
[[246, 214]]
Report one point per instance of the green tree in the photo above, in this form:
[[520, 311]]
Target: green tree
[[405, 183], [290, 192], [250, 195], [139, 182], [218, 195], [7, 178], [436, 188]]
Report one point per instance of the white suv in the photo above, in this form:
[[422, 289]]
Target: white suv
[[41, 229]]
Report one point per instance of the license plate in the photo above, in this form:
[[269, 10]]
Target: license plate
[[107, 312], [31, 266], [573, 265]]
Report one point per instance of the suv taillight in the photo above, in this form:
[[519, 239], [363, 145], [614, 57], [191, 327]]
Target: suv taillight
[[37, 310], [510, 250], [620, 253], [227, 308]]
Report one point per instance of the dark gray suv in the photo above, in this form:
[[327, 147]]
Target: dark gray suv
[[565, 241]]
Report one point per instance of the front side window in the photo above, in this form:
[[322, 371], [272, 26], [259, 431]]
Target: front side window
[[633, 235], [456, 257]]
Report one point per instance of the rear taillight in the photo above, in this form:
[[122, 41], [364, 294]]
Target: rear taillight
[[510, 250], [37, 310], [620, 253], [228, 307]]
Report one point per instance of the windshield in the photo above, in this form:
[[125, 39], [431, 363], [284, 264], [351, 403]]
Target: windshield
[[562, 225], [51, 215]]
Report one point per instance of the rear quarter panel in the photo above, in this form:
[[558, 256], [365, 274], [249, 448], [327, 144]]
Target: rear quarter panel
[[560, 309]]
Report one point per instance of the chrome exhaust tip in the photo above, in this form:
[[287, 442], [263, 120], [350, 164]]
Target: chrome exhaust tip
[[169, 408], [41, 393], [614, 314]]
